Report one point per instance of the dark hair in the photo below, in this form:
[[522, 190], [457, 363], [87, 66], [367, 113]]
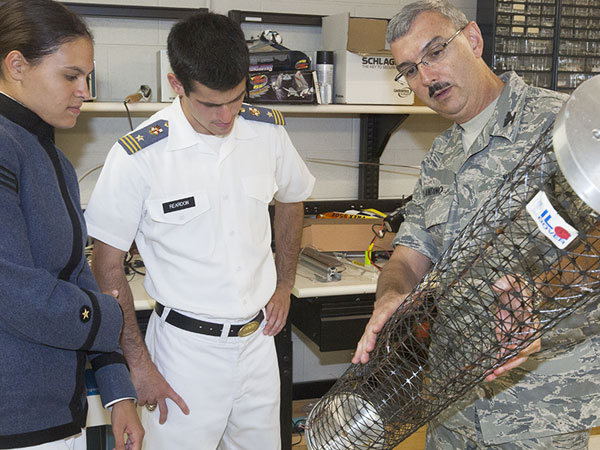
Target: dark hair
[[37, 28], [400, 24], [210, 49]]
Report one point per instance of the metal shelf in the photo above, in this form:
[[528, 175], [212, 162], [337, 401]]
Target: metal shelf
[[377, 124], [132, 11], [292, 110], [272, 17]]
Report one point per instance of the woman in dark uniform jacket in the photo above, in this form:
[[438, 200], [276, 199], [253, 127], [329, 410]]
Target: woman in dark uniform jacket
[[52, 316]]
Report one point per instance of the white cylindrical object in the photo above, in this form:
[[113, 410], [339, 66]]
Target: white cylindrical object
[[325, 75], [577, 142]]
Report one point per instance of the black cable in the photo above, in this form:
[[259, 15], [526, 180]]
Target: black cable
[[128, 115], [298, 428]]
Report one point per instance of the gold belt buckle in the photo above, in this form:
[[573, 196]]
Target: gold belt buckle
[[248, 329]]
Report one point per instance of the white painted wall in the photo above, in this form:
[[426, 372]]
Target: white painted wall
[[125, 52]]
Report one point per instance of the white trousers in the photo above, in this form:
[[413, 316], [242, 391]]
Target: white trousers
[[77, 442], [231, 386]]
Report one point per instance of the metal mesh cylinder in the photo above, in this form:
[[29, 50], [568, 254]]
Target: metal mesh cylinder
[[539, 235]]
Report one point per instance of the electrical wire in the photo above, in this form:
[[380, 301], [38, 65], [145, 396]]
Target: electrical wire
[[128, 115], [131, 265], [357, 164], [360, 163], [377, 234], [87, 172], [299, 429]]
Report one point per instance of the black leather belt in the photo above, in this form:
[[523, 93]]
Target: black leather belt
[[212, 329]]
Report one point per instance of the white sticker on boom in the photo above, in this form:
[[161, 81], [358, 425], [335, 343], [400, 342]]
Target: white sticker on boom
[[549, 221]]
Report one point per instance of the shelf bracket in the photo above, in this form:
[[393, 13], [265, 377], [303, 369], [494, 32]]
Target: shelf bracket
[[375, 132]]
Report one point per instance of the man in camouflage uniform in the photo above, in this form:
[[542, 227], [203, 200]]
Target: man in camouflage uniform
[[546, 397]]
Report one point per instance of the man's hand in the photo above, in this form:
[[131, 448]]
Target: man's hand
[[153, 389], [523, 355], [398, 277], [384, 308], [288, 233], [515, 322], [113, 293], [125, 422], [277, 311]]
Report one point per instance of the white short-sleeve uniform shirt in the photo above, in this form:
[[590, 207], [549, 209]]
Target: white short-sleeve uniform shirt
[[199, 214]]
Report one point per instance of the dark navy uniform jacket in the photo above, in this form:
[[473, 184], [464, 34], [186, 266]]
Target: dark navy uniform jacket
[[52, 316]]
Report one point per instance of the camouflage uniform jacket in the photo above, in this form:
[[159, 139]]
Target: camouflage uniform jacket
[[555, 391]]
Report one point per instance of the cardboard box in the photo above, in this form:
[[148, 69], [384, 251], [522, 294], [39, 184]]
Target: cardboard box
[[343, 235], [364, 67]]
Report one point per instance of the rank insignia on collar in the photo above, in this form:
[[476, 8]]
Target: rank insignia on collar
[[510, 118], [144, 137], [260, 114]]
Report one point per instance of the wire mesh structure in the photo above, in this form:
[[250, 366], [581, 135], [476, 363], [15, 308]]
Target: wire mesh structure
[[529, 258]]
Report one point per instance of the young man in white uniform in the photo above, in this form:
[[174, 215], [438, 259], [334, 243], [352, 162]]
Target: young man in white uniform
[[192, 186]]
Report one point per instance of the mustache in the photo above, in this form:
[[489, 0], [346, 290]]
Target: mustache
[[437, 87]]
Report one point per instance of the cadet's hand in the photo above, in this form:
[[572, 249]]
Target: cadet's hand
[[125, 422], [153, 390], [384, 308], [277, 311], [515, 322]]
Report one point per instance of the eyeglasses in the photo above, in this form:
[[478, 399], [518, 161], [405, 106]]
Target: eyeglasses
[[435, 54]]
